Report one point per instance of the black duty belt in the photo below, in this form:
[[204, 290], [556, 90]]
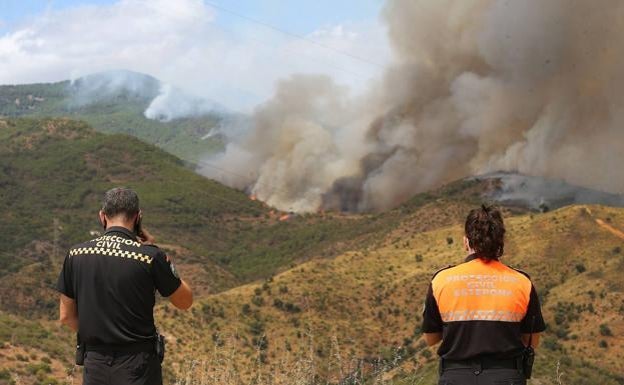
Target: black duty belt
[[483, 363], [147, 346]]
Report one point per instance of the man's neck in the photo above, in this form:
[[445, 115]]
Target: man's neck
[[126, 225]]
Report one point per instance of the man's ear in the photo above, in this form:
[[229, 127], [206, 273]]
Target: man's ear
[[102, 218], [466, 243]]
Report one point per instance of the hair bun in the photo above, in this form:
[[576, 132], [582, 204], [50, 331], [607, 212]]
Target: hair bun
[[485, 231]]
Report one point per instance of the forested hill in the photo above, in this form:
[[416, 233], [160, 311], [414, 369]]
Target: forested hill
[[117, 101], [54, 172]]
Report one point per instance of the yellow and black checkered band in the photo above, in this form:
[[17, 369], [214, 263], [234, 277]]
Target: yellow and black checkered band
[[111, 252]]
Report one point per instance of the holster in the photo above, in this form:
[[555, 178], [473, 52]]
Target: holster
[[528, 356], [80, 351], [160, 346]]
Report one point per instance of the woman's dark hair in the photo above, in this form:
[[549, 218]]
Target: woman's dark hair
[[485, 231]]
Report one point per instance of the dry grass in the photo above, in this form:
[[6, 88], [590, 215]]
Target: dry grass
[[371, 299], [353, 319], [220, 367]]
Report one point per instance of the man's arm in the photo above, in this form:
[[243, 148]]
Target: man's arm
[[68, 313], [432, 338], [182, 298], [432, 324], [535, 337]]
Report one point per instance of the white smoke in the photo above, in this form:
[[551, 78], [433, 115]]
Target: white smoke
[[163, 101], [110, 84], [478, 85], [173, 103]]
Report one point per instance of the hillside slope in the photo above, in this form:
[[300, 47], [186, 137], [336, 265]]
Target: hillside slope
[[361, 311], [53, 173]]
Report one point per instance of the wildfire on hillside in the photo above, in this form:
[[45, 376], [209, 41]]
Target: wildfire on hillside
[[285, 217], [509, 89]]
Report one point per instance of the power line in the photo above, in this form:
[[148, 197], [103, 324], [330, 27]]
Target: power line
[[258, 41], [294, 35]]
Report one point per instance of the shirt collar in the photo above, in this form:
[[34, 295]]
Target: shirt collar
[[474, 256], [123, 230]]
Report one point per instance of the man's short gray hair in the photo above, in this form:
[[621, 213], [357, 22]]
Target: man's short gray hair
[[120, 200]]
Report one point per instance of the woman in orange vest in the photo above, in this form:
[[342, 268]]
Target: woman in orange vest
[[486, 314]]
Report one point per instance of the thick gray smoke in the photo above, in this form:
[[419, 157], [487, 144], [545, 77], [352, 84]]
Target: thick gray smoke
[[478, 85], [541, 193]]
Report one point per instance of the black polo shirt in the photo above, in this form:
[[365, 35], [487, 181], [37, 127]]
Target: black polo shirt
[[481, 308], [113, 280]]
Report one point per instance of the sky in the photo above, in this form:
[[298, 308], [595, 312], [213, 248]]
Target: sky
[[233, 52]]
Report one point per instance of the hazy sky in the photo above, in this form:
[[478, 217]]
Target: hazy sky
[[229, 51]]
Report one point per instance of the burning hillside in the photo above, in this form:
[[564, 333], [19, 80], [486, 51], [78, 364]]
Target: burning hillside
[[480, 85], [539, 193]]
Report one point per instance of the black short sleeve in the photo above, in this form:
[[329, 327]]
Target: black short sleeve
[[533, 322], [432, 320], [165, 276], [64, 284]]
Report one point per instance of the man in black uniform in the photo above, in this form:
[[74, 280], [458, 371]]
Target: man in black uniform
[[107, 288], [484, 312]]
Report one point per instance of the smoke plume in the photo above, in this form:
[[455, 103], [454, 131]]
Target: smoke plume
[[477, 85], [111, 84], [173, 103]]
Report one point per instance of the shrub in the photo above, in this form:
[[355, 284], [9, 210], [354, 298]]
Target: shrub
[[551, 343], [261, 343], [605, 331], [256, 327], [5, 374], [257, 300], [562, 333], [278, 303], [291, 307]]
